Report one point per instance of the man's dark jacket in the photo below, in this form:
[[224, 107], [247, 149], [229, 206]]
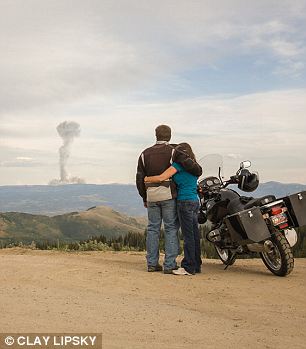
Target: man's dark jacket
[[155, 160]]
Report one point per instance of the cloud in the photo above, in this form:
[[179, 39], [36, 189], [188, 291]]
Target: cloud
[[284, 41], [266, 128], [21, 161], [49, 59], [115, 49], [24, 158], [289, 68], [119, 68]]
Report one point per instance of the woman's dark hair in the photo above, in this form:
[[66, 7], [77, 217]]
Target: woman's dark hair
[[185, 147], [163, 133]]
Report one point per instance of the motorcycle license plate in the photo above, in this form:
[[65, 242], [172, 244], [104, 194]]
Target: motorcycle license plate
[[279, 219]]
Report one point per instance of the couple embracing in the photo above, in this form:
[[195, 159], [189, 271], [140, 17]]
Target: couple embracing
[[166, 179]]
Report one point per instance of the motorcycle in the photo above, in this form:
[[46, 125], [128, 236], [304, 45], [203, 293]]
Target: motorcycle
[[242, 225]]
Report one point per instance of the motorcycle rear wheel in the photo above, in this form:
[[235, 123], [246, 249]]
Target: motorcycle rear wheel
[[280, 260], [225, 255]]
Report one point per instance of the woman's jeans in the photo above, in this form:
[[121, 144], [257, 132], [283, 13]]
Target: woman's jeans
[[188, 217], [157, 212]]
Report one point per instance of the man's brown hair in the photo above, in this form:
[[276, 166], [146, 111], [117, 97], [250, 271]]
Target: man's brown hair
[[163, 133]]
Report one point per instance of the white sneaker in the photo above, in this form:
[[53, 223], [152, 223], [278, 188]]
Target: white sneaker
[[180, 271]]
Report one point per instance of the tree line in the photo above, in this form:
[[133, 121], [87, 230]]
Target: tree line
[[136, 242]]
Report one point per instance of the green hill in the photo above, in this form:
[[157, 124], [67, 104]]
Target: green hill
[[74, 226]]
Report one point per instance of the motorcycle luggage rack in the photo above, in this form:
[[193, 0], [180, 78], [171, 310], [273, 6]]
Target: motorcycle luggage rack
[[296, 204], [247, 226]]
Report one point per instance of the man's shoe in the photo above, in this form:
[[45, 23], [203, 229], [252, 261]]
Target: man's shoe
[[169, 271], [181, 271], [157, 267]]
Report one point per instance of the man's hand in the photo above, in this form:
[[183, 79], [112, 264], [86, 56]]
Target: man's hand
[[187, 163], [145, 204]]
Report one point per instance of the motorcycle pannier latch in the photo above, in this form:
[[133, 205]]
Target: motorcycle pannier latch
[[300, 196]]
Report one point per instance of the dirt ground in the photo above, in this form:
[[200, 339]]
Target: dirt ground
[[111, 293]]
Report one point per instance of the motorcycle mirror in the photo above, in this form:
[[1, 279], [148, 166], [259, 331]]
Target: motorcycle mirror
[[245, 164]]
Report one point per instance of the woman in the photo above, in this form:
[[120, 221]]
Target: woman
[[187, 207]]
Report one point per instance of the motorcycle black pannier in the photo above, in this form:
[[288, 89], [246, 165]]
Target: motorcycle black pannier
[[296, 204], [247, 226]]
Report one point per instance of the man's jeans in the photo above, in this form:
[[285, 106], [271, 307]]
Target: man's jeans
[[188, 216], [165, 211]]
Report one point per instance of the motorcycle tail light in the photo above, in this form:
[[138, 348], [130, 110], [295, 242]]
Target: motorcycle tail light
[[276, 210], [279, 219]]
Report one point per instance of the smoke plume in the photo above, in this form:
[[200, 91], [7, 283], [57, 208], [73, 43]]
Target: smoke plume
[[67, 130]]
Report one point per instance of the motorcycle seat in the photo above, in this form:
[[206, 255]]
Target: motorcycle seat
[[260, 201]]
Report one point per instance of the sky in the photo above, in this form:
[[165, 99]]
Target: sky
[[228, 76]]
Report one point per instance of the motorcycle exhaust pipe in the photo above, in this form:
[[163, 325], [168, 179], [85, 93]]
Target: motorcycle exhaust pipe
[[267, 246], [256, 247]]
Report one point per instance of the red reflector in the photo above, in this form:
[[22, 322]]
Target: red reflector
[[276, 210], [283, 226]]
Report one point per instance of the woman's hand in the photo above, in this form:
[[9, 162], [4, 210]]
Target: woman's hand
[[146, 179]]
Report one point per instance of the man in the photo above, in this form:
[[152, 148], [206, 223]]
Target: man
[[160, 199]]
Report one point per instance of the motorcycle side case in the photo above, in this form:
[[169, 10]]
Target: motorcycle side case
[[296, 204], [247, 226]]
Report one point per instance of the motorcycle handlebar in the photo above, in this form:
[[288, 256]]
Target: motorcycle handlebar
[[235, 178], [232, 180]]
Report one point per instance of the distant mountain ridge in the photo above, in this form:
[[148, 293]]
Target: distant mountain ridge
[[54, 200], [278, 189]]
